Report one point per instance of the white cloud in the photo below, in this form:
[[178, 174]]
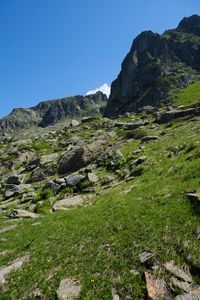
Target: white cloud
[[105, 88]]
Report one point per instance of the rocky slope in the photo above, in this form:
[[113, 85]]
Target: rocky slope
[[103, 209], [156, 68], [50, 112]]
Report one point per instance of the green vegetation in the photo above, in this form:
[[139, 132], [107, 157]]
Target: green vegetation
[[189, 96], [100, 244], [41, 147], [45, 194]]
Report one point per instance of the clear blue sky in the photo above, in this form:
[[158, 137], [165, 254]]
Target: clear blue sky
[[56, 48]]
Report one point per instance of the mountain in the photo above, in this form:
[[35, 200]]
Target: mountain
[[50, 112], [157, 68]]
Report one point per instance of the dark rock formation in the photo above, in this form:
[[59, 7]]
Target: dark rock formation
[[155, 65]]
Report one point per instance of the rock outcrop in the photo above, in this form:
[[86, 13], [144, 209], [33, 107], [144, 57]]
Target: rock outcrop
[[155, 66]]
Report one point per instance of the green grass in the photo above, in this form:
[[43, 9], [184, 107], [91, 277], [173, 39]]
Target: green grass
[[190, 96], [99, 244]]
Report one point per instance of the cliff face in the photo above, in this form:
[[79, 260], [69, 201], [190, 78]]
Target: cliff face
[[155, 66], [50, 112]]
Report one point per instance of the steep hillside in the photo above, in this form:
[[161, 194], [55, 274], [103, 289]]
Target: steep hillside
[[50, 112], [108, 209], [155, 66]]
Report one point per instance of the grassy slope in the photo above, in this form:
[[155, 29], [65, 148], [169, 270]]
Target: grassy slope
[[100, 244], [189, 96]]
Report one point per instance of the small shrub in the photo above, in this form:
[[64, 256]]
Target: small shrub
[[86, 184], [67, 190], [136, 134], [44, 194], [43, 207]]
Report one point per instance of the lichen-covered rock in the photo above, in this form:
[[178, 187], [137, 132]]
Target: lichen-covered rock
[[69, 289], [68, 202], [79, 157], [156, 288], [74, 160]]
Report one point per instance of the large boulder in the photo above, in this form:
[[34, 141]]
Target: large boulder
[[22, 214], [12, 190], [75, 181], [79, 157], [68, 203], [74, 160], [15, 179]]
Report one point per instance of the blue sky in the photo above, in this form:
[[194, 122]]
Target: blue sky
[[56, 48]]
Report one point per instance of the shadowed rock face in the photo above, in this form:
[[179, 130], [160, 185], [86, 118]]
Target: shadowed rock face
[[155, 65], [190, 25], [50, 112]]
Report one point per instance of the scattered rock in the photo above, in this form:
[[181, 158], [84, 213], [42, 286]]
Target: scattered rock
[[26, 156], [115, 296], [156, 288], [183, 285], [20, 213], [3, 253], [193, 197], [12, 190], [68, 202], [36, 224], [37, 294], [3, 240], [74, 123], [60, 181], [92, 178], [45, 159], [69, 289], [193, 294], [53, 186], [134, 272], [179, 273], [8, 228], [139, 161], [149, 138], [15, 179], [16, 264], [198, 233], [137, 151], [165, 117], [75, 181], [130, 125], [37, 175], [145, 256]]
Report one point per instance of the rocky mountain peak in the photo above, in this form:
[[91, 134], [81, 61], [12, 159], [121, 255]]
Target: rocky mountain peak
[[190, 25], [155, 66], [146, 41]]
